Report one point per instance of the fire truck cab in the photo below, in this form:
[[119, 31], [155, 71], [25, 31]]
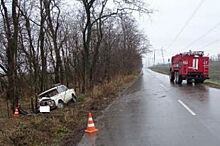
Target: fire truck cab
[[192, 66]]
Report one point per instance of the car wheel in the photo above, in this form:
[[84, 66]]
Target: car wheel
[[74, 98], [60, 104]]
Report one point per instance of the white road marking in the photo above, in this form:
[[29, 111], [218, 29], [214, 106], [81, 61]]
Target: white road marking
[[186, 107], [161, 85]]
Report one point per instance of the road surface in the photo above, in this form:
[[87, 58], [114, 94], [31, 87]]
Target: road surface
[[155, 112]]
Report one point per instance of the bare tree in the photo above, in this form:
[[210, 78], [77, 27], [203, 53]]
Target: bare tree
[[11, 33], [53, 27], [218, 57], [41, 44], [97, 18]]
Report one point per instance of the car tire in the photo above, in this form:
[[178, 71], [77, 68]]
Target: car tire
[[74, 99], [60, 104]]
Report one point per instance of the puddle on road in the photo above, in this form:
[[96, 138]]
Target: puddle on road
[[163, 96], [88, 140]]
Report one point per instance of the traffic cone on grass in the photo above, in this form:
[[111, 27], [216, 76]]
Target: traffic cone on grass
[[16, 113], [91, 126]]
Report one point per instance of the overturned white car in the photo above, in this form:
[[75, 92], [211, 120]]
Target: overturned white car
[[56, 97]]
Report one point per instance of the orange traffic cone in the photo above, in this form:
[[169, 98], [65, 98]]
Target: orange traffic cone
[[16, 114], [91, 126]]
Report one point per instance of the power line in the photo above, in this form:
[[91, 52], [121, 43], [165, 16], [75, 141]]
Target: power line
[[187, 22], [204, 35], [210, 43]]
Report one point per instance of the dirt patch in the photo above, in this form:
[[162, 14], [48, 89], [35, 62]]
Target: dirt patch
[[62, 127]]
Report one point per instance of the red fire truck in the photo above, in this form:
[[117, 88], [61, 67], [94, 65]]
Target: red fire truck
[[192, 66]]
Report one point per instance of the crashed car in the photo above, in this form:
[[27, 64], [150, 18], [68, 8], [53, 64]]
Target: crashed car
[[56, 97]]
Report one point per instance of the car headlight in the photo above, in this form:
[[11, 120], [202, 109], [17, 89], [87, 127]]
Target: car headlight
[[51, 103]]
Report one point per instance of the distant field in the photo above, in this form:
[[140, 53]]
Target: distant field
[[214, 72], [162, 68]]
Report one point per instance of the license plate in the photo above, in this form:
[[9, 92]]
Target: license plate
[[45, 109]]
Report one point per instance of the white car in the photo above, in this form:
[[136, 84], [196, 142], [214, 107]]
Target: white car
[[56, 97]]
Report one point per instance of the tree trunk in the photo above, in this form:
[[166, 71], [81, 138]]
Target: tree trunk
[[11, 53], [43, 82]]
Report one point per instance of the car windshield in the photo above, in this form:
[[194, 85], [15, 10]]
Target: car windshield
[[62, 88]]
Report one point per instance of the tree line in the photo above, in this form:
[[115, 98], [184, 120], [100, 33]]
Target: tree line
[[43, 42]]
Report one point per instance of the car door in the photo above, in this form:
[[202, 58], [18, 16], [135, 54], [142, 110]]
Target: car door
[[68, 95], [63, 93]]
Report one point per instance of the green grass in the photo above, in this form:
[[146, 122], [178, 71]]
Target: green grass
[[214, 72]]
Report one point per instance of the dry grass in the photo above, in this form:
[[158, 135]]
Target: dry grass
[[214, 84], [60, 127], [41, 129], [161, 68]]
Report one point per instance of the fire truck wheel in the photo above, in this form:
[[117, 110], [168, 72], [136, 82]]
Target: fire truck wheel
[[199, 81], [172, 77], [178, 78], [189, 81]]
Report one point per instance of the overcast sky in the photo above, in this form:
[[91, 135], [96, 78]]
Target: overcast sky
[[200, 18]]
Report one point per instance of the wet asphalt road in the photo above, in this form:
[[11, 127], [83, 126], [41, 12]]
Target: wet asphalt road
[[154, 112]]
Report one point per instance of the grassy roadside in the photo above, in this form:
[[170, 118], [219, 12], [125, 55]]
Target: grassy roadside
[[214, 73], [212, 84], [161, 68], [64, 126]]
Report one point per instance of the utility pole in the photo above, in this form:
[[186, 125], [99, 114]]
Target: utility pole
[[162, 55], [154, 56]]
